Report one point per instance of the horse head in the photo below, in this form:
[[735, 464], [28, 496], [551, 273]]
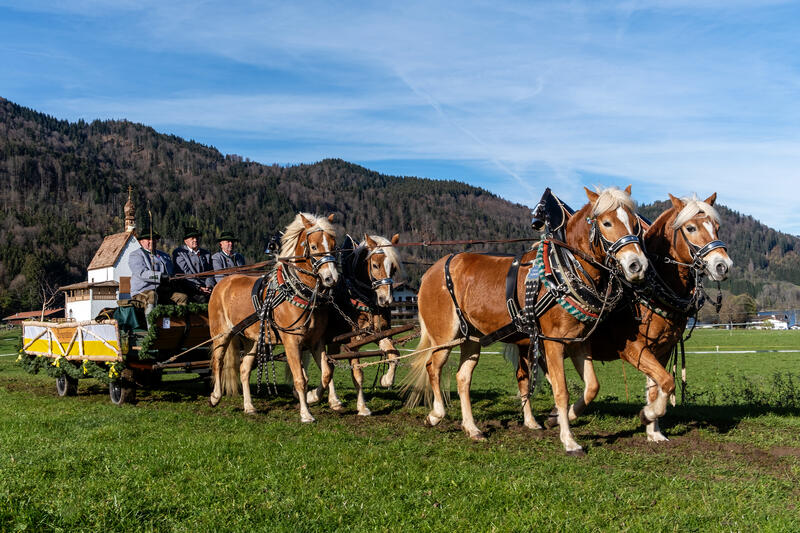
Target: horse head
[[694, 237], [311, 239], [615, 231], [382, 263]]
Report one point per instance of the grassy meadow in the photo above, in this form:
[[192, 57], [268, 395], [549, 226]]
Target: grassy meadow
[[169, 462]]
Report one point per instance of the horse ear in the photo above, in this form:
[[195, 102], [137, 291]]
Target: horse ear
[[395, 238], [676, 202], [628, 190], [593, 196], [711, 199], [330, 217], [307, 223], [370, 243]]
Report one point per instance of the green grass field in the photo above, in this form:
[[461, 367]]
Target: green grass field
[[171, 463]]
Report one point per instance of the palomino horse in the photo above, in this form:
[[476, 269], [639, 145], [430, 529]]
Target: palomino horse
[[362, 300], [683, 246], [293, 310], [478, 287]]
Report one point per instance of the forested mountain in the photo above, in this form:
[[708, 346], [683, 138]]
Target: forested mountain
[[62, 187]]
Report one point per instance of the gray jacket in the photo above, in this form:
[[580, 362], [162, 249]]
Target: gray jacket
[[222, 260], [188, 262], [148, 271]]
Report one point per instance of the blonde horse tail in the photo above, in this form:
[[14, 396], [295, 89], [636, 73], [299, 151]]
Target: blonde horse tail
[[416, 385], [229, 379], [511, 354]]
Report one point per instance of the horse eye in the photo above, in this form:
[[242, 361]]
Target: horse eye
[[313, 246], [607, 224], [691, 229]]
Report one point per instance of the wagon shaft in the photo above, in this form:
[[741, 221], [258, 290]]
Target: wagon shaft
[[356, 355], [379, 336]]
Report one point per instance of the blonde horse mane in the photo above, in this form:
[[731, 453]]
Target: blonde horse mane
[[612, 198], [294, 230], [691, 209]]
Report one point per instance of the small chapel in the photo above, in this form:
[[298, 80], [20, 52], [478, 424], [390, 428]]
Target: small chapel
[[108, 277]]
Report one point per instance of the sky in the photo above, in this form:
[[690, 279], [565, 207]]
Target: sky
[[674, 96]]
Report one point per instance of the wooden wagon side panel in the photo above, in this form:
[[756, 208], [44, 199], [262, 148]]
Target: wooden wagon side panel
[[177, 333], [93, 341]]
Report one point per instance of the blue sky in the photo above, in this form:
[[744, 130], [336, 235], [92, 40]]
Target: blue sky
[[676, 97]]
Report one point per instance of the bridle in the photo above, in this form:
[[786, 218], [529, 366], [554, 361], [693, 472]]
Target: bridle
[[376, 283], [698, 253], [307, 256], [609, 248]]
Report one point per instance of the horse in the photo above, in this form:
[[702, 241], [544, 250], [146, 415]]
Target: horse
[[362, 298], [464, 293], [293, 310], [682, 245]]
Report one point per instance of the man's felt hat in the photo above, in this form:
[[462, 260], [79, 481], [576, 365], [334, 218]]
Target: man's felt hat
[[227, 236], [189, 231], [147, 234]]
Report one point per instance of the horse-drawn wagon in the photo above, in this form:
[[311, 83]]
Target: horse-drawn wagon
[[120, 347]]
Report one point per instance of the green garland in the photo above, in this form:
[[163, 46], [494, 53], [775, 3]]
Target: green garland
[[55, 368], [159, 312]]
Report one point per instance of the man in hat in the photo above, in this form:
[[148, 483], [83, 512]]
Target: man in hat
[[150, 273], [191, 259], [226, 257]]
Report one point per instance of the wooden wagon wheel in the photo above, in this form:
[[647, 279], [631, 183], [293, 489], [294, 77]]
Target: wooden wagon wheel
[[66, 386]]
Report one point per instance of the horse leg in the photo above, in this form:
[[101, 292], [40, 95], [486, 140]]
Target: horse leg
[[244, 375], [358, 380], [660, 386], [523, 383], [326, 381], [315, 395], [434, 368], [585, 368], [217, 357], [554, 353], [387, 380], [470, 353], [292, 349]]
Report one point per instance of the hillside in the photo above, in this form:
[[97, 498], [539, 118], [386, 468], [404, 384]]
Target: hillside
[[62, 187]]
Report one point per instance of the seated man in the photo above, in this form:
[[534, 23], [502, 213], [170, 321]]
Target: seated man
[[226, 257], [150, 272], [191, 259]]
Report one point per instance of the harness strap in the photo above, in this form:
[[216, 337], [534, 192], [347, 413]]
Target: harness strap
[[448, 280]]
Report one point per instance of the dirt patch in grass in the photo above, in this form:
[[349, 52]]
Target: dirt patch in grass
[[692, 445]]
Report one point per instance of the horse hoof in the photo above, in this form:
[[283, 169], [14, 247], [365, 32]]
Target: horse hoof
[[307, 420], [250, 411], [576, 453], [657, 437], [430, 421], [387, 384], [478, 437], [212, 402], [338, 407], [551, 422], [365, 412], [312, 397], [643, 418]]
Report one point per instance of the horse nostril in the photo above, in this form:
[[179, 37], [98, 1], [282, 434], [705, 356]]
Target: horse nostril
[[635, 267], [722, 269]]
